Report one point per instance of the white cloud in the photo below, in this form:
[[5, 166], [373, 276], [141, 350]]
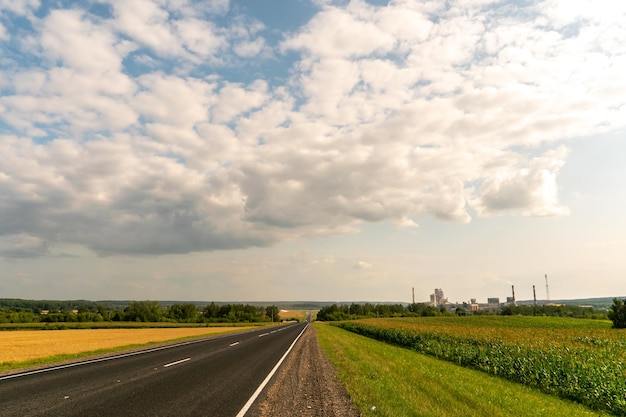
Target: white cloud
[[147, 23], [249, 49], [200, 37], [531, 190], [235, 100], [174, 100], [20, 7], [389, 114], [336, 33], [4, 35], [79, 44], [84, 86]]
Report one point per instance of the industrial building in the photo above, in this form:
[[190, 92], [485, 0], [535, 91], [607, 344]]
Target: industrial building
[[438, 299]]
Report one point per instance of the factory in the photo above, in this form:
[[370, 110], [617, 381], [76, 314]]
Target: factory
[[439, 301]]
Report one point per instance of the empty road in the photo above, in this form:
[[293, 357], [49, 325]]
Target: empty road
[[209, 377]]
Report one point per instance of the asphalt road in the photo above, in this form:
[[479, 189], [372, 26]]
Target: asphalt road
[[211, 377]]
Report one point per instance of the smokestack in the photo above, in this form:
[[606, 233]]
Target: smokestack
[[513, 291], [413, 289], [547, 291], [534, 296]]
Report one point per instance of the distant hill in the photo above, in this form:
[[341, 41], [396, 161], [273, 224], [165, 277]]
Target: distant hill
[[598, 303]]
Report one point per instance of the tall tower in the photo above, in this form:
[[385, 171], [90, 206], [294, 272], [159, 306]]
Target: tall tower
[[547, 291], [535, 296]]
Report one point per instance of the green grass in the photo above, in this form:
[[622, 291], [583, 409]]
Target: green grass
[[401, 382], [560, 356]]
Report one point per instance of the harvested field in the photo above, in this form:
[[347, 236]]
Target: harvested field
[[21, 346], [299, 315]]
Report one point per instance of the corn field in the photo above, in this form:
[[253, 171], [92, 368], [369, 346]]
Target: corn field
[[581, 360]]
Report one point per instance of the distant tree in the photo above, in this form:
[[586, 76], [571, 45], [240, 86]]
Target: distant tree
[[147, 311], [102, 311], [183, 313], [422, 309], [272, 313], [356, 309], [118, 315], [369, 309], [617, 314], [211, 311]]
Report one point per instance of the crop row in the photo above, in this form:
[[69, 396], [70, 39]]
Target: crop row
[[591, 377]]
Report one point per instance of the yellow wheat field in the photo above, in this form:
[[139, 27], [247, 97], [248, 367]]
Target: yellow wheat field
[[292, 314], [19, 346]]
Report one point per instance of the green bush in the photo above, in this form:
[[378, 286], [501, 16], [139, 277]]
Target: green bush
[[617, 314]]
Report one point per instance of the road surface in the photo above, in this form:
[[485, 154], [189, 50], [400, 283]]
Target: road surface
[[210, 377]]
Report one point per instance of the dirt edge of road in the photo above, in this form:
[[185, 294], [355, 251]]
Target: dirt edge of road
[[305, 385]]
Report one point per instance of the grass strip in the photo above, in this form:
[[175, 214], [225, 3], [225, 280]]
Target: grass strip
[[400, 382]]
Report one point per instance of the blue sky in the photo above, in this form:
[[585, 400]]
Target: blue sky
[[311, 150]]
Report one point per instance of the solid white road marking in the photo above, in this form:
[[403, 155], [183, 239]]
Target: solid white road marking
[[247, 406], [176, 363]]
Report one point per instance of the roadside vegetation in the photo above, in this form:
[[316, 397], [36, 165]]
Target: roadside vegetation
[[575, 359], [390, 381]]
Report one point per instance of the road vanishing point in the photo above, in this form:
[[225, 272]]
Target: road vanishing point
[[216, 376]]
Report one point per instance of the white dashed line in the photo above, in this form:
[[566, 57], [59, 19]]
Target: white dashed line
[[176, 363], [234, 344]]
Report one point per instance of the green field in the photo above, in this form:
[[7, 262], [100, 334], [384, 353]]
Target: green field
[[575, 359], [401, 382]]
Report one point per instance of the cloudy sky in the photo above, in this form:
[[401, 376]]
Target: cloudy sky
[[312, 149]]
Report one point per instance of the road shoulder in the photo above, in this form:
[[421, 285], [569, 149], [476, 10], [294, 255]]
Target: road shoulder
[[305, 385]]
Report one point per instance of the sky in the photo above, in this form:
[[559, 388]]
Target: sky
[[318, 150]]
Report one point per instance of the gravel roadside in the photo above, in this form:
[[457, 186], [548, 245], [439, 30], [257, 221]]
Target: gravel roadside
[[305, 385]]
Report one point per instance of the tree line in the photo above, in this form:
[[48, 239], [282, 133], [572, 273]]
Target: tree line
[[27, 311], [562, 310], [336, 312]]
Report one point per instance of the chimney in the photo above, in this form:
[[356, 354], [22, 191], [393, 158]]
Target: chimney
[[535, 296], [513, 291]]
